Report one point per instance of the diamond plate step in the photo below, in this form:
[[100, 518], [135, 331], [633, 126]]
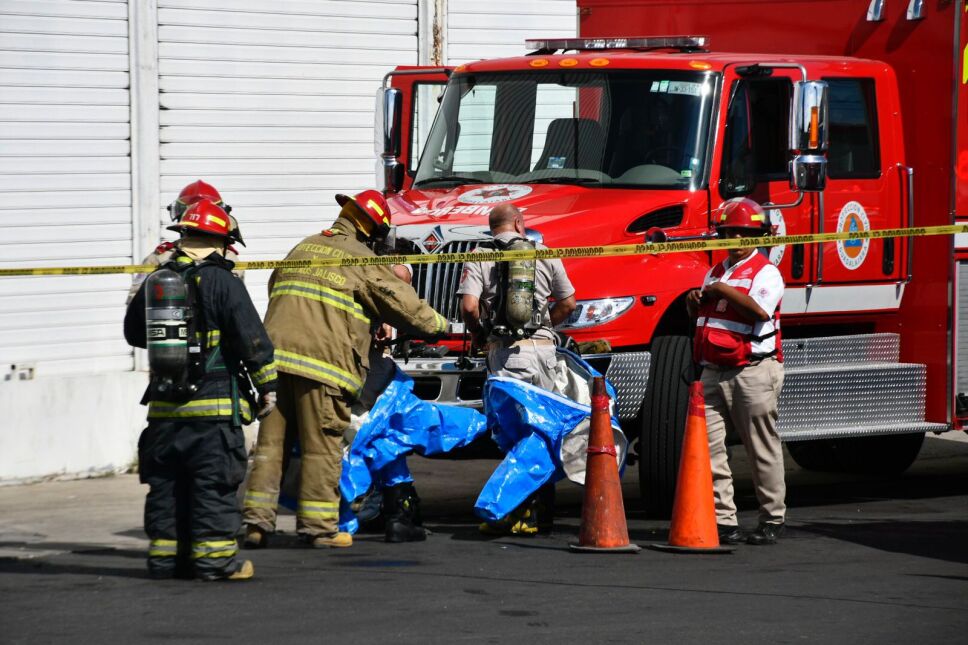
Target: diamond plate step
[[862, 431], [841, 350], [840, 400]]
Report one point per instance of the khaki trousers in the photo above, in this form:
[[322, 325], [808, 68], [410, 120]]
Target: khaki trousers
[[317, 414], [744, 400], [531, 360]]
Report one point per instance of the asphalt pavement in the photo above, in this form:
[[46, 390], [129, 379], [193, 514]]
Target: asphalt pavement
[[865, 560]]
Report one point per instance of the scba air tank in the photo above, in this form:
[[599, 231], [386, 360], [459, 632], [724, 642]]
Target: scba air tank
[[167, 314], [519, 309]]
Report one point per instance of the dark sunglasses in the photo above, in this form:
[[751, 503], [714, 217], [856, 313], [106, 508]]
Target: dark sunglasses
[[725, 232]]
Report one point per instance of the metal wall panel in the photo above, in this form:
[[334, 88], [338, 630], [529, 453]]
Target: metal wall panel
[[273, 104], [65, 185], [477, 30]]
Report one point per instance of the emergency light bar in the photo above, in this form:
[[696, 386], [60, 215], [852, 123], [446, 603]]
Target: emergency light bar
[[646, 42]]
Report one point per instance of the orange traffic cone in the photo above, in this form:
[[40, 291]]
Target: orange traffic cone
[[603, 527], [693, 528]]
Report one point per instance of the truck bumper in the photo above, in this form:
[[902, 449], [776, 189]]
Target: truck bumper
[[441, 381]]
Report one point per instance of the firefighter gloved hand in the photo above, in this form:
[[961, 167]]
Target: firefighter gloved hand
[[268, 404]]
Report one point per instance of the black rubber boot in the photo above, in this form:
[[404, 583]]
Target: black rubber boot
[[544, 508], [401, 508]]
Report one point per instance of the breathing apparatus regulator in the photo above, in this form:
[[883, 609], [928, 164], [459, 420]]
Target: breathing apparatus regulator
[[516, 313]]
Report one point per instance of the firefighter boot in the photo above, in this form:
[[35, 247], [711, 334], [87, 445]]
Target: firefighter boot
[[255, 537], [401, 508], [245, 572], [544, 508]]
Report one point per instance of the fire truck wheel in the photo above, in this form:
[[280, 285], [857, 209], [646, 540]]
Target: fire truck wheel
[[663, 422], [880, 455]]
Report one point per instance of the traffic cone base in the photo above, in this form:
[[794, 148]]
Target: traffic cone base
[[629, 548], [692, 549], [693, 528], [603, 525]]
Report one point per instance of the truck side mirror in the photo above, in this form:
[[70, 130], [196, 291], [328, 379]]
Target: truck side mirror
[[387, 137], [809, 136], [808, 173]]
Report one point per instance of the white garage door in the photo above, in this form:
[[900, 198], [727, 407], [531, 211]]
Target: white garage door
[[499, 28], [65, 194], [272, 102]]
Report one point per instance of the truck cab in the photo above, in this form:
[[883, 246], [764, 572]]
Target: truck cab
[[606, 141]]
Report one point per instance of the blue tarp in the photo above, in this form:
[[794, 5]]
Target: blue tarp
[[400, 424], [528, 423]]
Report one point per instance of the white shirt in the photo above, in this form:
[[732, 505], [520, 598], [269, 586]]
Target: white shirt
[[766, 290]]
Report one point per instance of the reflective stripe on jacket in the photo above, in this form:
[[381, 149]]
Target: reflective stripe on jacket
[[216, 408]]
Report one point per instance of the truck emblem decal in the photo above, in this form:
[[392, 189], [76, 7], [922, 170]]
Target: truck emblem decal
[[494, 194], [853, 218], [433, 241]]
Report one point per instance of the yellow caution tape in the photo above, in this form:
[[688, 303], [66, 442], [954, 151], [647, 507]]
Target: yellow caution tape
[[540, 254]]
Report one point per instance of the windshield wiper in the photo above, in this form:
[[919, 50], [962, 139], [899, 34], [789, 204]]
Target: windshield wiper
[[565, 180], [449, 179]]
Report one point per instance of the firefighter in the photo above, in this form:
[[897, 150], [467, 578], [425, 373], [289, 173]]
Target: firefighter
[[505, 306], [319, 320], [206, 348], [190, 194], [737, 343]]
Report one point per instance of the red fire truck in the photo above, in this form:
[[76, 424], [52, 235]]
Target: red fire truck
[[837, 115]]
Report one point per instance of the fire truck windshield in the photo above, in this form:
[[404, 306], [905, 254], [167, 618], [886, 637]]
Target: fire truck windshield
[[616, 128]]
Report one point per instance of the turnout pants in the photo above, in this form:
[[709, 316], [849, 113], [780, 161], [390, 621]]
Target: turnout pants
[[317, 414], [744, 400], [193, 469]]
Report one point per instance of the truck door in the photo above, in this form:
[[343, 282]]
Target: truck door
[[421, 90], [862, 192], [753, 163]]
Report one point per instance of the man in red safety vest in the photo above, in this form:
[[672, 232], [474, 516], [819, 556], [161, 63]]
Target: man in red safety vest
[[737, 343]]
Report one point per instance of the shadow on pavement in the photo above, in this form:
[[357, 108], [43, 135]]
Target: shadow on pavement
[[76, 547], [937, 540], [49, 567]]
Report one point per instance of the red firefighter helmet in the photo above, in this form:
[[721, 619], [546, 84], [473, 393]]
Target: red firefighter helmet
[[204, 217], [376, 213], [743, 213], [192, 193]]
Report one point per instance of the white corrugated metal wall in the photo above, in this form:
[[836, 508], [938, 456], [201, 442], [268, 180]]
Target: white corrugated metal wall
[[273, 104], [65, 185], [499, 28]]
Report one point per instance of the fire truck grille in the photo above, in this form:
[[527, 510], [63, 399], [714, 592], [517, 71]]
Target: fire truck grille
[[437, 283]]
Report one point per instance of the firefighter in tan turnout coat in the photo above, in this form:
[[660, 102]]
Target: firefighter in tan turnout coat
[[319, 321]]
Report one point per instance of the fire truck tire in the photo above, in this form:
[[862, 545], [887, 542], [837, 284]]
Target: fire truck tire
[[880, 455], [663, 422]]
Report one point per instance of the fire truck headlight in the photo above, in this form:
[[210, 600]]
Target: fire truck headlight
[[596, 312]]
